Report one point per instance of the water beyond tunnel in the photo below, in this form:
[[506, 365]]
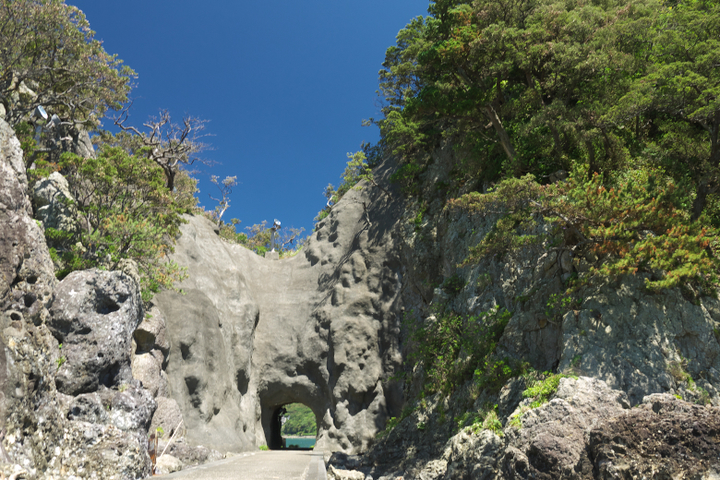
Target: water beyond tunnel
[[293, 426]]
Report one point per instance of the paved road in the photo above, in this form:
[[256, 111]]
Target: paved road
[[278, 464]]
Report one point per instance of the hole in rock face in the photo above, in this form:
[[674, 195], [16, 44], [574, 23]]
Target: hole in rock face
[[293, 427], [185, 351], [192, 384], [106, 305], [108, 376], [29, 299], [242, 380]]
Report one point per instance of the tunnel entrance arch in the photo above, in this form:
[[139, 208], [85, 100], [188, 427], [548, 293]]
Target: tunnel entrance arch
[[291, 427]]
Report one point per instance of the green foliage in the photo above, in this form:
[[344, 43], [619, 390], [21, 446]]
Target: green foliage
[[391, 423], [49, 47], [559, 304], [453, 284], [301, 421], [515, 421], [486, 419], [538, 86], [258, 237], [356, 170], [493, 372], [680, 92], [418, 220], [452, 348], [512, 200], [541, 390], [635, 221], [264, 448], [123, 211]]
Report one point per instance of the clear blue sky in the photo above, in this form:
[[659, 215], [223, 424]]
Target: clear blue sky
[[284, 85]]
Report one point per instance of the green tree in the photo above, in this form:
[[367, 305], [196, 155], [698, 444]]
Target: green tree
[[679, 96], [124, 212], [300, 421], [49, 57], [517, 86]]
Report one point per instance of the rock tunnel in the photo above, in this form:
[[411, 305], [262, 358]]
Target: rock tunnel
[[320, 329]]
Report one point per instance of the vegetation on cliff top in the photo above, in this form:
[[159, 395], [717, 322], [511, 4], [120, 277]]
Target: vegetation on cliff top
[[621, 98]]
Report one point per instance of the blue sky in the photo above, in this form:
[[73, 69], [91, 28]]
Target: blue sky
[[284, 85]]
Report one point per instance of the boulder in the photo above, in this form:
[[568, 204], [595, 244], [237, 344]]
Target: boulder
[[147, 367], [169, 418], [685, 436], [94, 314], [131, 408], [340, 474], [190, 454], [166, 464], [550, 441]]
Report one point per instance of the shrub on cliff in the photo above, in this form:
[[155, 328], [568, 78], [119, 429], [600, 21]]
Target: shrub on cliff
[[124, 212], [635, 222]]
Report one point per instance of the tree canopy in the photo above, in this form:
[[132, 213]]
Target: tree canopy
[[621, 98], [49, 56], [534, 86]]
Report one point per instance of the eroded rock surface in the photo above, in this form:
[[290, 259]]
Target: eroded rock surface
[[253, 334], [46, 434], [53, 203], [94, 315]]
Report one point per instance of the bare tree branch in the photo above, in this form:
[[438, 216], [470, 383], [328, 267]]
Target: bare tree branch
[[166, 143]]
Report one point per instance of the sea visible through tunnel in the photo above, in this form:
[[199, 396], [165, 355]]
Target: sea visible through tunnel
[[299, 442]]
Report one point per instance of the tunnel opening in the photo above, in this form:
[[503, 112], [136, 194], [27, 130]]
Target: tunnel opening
[[294, 427]]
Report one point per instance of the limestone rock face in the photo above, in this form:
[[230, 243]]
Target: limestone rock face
[[51, 197], [94, 314], [321, 328], [27, 275], [633, 341], [48, 434]]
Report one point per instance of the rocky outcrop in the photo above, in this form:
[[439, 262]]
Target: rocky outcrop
[[548, 442], [586, 431], [47, 434], [625, 344], [251, 334], [27, 275], [53, 203], [93, 317]]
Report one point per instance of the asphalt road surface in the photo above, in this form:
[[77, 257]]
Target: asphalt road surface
[[271, 465]]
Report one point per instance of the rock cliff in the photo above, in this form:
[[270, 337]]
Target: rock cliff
[[69, 406], [86, 372], [325, 328], [250, 334]]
